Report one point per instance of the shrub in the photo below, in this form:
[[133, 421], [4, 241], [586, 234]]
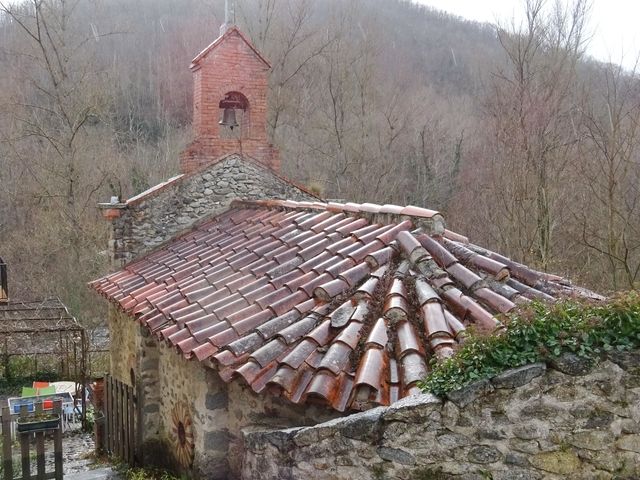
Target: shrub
[[537, 333]]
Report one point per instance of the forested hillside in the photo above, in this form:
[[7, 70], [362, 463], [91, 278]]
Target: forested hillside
[[524, 144]]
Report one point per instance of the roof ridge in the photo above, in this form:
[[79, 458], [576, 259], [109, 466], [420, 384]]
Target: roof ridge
[[431, 221], [233, 28]]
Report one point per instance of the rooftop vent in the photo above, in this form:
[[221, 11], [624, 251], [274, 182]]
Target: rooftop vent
[[4, 291]]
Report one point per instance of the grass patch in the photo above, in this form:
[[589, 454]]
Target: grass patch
[[146, 473], [539, 332]]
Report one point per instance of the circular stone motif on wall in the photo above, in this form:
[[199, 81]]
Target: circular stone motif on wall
[[182, 437]]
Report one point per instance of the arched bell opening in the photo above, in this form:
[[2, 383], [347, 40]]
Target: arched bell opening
[[234, 118]]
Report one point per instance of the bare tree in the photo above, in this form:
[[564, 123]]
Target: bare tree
[[530, 109], [53, 98], [610, 170]]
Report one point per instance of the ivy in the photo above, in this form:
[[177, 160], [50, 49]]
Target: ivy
[[538, 333]]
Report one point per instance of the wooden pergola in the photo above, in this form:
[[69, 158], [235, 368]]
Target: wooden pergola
[[44, 329]]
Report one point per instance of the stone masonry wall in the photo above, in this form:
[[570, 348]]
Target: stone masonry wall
[[249, 411], [219, 412], [204, 395], [556, 426], [123, 338], [166, 380], [154, 219]]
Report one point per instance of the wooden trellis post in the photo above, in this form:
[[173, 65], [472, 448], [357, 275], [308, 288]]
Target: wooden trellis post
[[25, 444]]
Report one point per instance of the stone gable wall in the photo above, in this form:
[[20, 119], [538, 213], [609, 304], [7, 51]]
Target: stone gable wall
[[156, 219], [556, 426]]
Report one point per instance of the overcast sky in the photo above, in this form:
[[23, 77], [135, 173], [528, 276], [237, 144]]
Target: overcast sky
[[613, 25]]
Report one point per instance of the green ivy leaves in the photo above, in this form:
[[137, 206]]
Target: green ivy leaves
[[538, 333]]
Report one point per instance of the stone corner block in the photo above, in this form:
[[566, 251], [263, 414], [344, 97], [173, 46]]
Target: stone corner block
[[625, 360], [364, 426], [412, 408], [516, 377], [571, 364], [467, 394]]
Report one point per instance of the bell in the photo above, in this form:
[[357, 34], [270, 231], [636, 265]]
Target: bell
[[228, 118]]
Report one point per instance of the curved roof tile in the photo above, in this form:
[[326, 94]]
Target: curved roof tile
[[339, 303]]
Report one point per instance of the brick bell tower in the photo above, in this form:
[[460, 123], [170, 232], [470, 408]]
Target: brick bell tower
[[229, 101]]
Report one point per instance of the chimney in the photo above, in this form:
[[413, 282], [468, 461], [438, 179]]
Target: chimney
[[230, 76], [4, 289]]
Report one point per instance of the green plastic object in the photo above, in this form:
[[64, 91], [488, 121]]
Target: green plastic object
[[29, 392], [47, 391]]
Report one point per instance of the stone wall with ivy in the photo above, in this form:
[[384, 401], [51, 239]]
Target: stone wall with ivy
[[569, 421]]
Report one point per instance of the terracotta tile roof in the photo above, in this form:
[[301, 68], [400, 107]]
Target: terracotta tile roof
[[339, 303]]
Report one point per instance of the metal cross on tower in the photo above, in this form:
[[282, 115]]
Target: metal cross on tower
[[229, 15]]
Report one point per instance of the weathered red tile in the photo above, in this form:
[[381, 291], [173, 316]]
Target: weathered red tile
[[396, 308], [455, 325], [372, 368], [350, 335], [285, 377], [440, 254], [273, 326], [204, 351], [298, 329], [413, 368], [408, 340], [343, 392], [315, 261], [479, 315], [463, 275], [378, 335], [435, 322], [381, 257], [322, 333], [337, 268], [495, 301], [355, 275], [367, 288], [341, 315], [246, 344], [354, 225], [207, 331], [224, 338], [247, 324], [329, 290], [322, 385], [268, 352], [300, 353], [337, 358], [279, 307]]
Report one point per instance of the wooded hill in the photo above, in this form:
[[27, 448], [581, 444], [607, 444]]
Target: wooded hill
[[526, 146]]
